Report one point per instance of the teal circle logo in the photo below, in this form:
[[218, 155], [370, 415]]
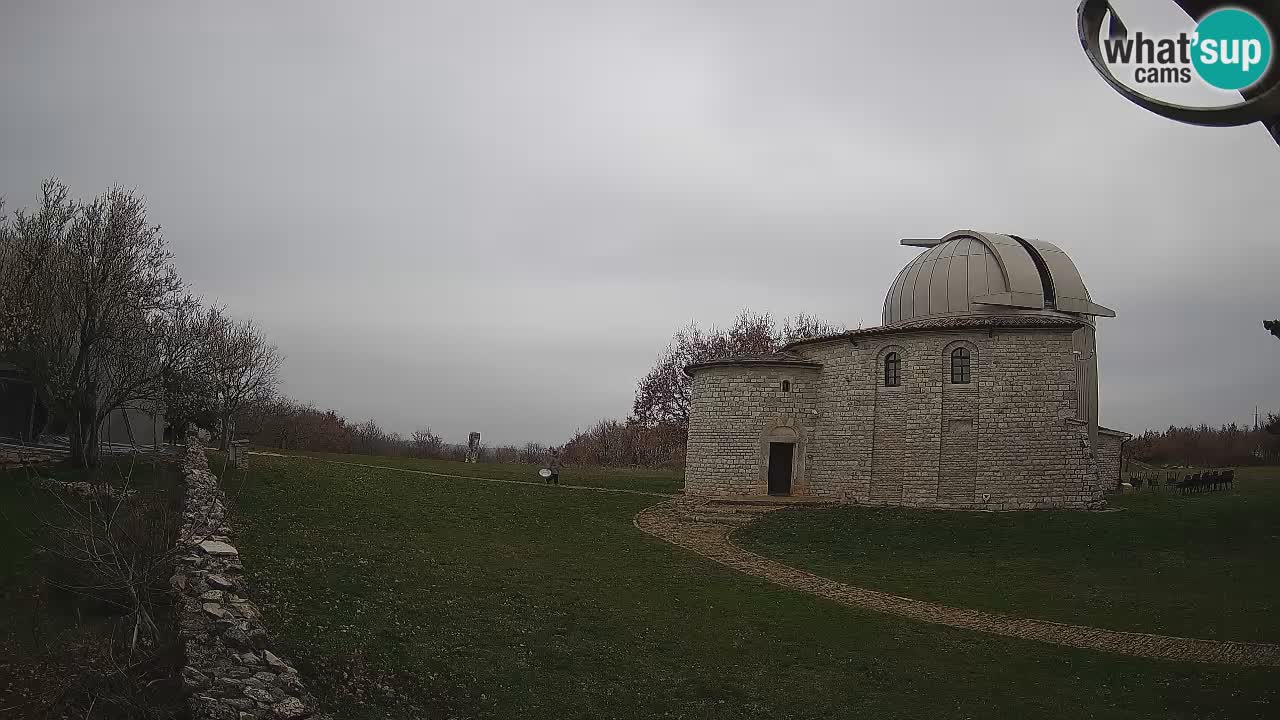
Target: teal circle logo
[[1232, 49]]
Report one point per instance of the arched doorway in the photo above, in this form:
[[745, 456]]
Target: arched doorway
[[782, 442]]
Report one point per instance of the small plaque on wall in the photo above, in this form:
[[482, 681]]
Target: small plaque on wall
[[965, 425]]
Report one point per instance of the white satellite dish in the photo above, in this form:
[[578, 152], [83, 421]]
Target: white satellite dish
[[544, 472]]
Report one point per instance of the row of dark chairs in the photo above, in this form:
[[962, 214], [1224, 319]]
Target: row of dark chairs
[[1152, 479], [1207, 481]]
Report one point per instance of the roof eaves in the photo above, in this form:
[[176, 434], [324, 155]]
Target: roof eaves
[[775, 360], [1015, 322]]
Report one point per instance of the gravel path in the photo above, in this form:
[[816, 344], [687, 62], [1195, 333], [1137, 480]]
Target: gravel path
[[669, 522]]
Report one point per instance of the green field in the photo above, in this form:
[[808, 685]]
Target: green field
[[646, 479], [406, 596], [1198, 566]]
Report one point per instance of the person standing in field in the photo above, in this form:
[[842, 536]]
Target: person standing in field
[[554, 466]]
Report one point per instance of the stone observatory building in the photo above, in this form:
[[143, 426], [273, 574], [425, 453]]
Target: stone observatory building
[[979, 391]]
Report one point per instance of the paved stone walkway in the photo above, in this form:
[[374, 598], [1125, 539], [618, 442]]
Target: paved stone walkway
[[669, 522]]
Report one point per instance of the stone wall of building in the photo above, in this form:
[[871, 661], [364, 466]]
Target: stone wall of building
[[232, 670], [1109, 459], [1005, 441], [735, 411]]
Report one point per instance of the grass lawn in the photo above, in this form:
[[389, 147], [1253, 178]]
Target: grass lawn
[[647, 479], [1199, 566], [409, 596], [53, 643]]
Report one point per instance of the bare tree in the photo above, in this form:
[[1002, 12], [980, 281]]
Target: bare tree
[[807, 327], [287, 424], [244, 368], [187, 368], [87, 287], [115, 546], [123, 542], [663, 394], [532, 452], [426, 444], [369, 437]]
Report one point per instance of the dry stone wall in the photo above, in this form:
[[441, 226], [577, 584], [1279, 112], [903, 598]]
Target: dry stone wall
[[232, 671], [1006, 441]]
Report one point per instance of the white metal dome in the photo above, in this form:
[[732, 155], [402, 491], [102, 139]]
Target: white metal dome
[[976, 273]]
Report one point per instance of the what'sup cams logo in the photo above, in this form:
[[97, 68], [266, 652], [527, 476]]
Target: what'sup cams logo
[[1230, 49]]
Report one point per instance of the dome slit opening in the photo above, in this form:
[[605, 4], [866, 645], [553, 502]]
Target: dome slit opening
[[1046, 280]]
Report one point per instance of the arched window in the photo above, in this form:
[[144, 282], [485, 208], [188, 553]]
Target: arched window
[[960, 374], [786, 386], [892, 368]]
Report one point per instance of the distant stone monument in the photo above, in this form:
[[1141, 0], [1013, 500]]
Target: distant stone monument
[[473, 447]]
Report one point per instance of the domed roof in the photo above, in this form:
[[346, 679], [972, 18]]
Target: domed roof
[[978, 273]]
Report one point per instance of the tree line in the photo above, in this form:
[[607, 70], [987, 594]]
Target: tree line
[[1205, 446], [655, 435], [97, 318], [283, 424], [1227, 446]]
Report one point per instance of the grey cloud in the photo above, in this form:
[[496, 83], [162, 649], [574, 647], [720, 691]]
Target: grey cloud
[[491, 215]]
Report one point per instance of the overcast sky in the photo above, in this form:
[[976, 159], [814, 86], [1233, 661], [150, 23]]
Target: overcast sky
[[491, 216]]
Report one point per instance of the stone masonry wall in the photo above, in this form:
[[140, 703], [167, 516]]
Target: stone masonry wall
[[1109, 460], [734, 408], [960, 439], [1030, 455], [1001, 442], [232, 671]]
